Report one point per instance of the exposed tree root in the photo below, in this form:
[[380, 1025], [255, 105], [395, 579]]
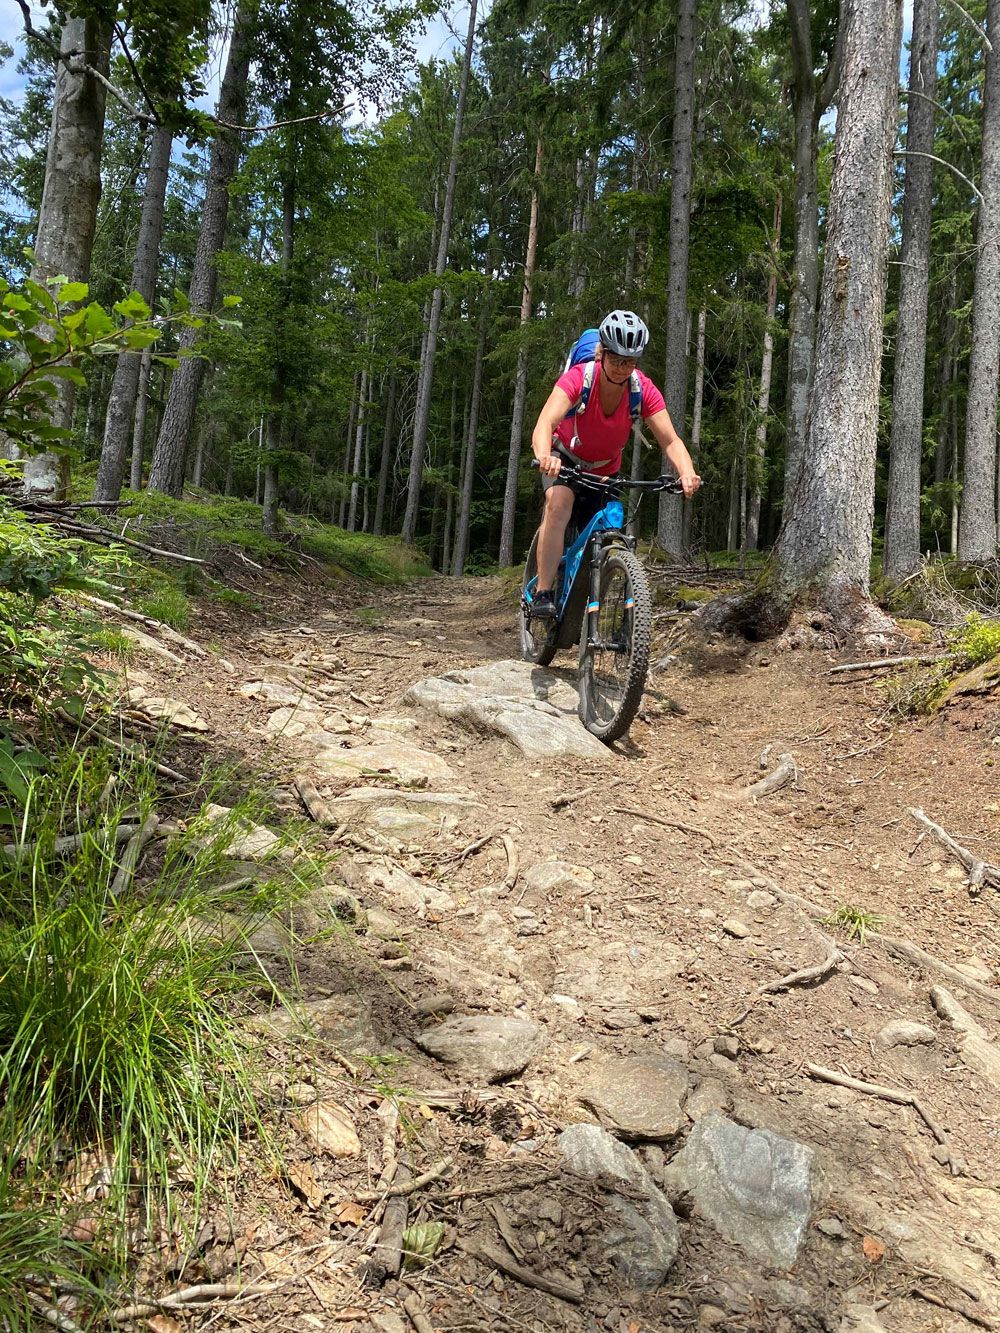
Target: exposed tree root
[[786, 772], [980, 872], [899, 1095]]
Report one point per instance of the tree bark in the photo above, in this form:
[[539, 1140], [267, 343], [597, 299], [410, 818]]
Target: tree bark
[[826, 542], [139, 427], [902, 519], [461, 551], [521, 381], [977, 525], [167, 470], [810, 99], [427, 381], [751, 532], [352, 515], [670, 521], [67, 220], [124, 386], [386, 459]]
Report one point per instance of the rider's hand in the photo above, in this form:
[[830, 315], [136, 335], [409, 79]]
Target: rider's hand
[[691, 482], [550, 466]]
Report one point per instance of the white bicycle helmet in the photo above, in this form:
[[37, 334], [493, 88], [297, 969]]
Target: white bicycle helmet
[[624, 332]]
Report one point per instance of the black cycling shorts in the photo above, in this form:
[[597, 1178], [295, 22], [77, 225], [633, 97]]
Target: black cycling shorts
[[585, 503]]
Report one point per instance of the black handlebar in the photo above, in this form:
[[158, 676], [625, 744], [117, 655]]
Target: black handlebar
[[591, 481]]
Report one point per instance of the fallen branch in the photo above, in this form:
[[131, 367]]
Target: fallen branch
[[71, 842], [954, 1307], [786, 772], [51, 1315], [568, 798], [316, 808], [510, 879], [387, 1258], [883, 663], [415, 1310], [565, 1288], [898, 1095], [193, 1298], [130, 858], [402, 1188], [910, 953], [666, 823], [980, 872], [167, 631], [806, 975]]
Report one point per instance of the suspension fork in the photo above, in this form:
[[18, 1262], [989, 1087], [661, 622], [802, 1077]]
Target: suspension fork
[[594, 593]]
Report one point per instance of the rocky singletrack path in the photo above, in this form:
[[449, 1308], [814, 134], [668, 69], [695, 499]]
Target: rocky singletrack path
[[594, 1010]]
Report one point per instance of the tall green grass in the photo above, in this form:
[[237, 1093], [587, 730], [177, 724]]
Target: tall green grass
[[119, 1015]]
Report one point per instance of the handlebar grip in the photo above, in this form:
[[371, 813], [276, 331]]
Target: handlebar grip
[[535, 463]]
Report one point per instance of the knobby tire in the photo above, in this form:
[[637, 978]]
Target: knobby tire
[[535, 647], [606, 718]]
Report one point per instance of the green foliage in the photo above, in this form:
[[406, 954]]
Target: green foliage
[[855, 921], [374, 559], [50, 333], [114, 643], [36, 560], [118, 1010], [167, 602], [977, 641]]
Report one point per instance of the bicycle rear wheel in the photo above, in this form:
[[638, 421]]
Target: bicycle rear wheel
[[613, 669], [539, 638]]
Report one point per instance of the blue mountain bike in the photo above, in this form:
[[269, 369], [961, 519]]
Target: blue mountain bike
[[603, 603]]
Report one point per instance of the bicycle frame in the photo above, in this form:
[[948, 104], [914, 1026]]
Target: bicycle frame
[[577, 596]]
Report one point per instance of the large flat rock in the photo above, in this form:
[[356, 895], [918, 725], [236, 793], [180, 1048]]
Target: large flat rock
[[533, 708], [488, 1046], [752, 1185], [400, 759], [400, 812], [638, 1098]]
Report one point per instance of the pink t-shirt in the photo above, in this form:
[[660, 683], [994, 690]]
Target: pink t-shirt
[[601, 438]]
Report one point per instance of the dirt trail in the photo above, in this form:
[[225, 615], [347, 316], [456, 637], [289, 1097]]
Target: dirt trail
[[653, 940]]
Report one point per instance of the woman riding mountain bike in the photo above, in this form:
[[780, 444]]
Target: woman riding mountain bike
[[590, 412]]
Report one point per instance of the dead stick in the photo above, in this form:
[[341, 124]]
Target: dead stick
[[898, 1095], [316, 807], [130, 858], [558, 802], [667, 823], [955, 1307], [415, 1310], [127, 613], [881, 663], [387, 1257], [980, 872], [400, 1188], [53, 1316], [72, 842], [565, 1288], [806, 974], [193, 1297], [785, 773], [911, 953], [510, 879]]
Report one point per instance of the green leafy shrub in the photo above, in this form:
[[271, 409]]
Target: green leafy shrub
[[978, 640]]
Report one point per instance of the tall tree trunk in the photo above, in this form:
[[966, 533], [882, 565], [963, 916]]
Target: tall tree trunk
[[139, 427], [461, 551], [352, 514], [521, 382], [670, 522], [124, 386], [269, 505], [977, 528], [427, 382], [348, 445], [751, 532], [67, 220], [810, 99], [902, 519], [826, 542], [167, 470], [386, 459]]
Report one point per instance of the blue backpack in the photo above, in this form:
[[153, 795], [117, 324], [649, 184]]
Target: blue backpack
[[585, 349]]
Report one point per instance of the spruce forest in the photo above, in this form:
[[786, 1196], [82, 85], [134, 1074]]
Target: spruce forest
[[365, 964]]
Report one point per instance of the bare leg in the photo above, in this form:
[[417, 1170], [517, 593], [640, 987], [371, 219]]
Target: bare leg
[[552, 534]]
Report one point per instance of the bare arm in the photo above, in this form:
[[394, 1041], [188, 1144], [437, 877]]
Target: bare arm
[[556, 406], [674, 450]]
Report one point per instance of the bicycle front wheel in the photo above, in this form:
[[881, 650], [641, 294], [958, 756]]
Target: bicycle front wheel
[[538, 637], [613, 666]]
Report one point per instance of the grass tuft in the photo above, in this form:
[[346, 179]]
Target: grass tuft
[[855, 921]]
